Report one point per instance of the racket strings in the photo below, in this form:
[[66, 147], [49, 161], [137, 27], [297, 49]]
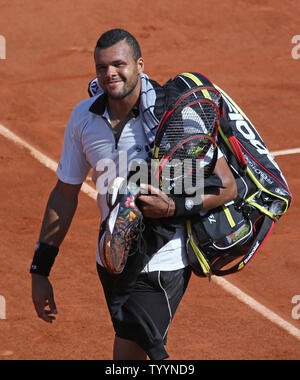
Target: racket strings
[[185, 124], [185, 141]]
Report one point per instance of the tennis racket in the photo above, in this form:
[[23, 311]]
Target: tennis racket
[[185, 143]]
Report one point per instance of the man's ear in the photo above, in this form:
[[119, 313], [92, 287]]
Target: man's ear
[[140, 65]]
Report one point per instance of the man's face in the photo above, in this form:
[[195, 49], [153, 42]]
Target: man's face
[[117, 71]]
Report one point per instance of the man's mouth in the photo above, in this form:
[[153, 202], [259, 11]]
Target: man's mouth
[[112, 83]]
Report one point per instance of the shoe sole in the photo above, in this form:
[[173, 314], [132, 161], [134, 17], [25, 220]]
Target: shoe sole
[[115, 191]]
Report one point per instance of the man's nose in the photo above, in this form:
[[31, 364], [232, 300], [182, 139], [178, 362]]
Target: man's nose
[[110, 71]]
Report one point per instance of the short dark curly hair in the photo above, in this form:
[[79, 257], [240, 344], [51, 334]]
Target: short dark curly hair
[[113, 36]]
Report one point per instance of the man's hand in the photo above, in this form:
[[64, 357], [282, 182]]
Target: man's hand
[[42, 297], [155, 204]]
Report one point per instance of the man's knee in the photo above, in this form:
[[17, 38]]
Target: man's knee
[[128, 350]]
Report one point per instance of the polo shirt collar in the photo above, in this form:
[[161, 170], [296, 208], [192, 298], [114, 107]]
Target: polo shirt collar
[[99, 106]]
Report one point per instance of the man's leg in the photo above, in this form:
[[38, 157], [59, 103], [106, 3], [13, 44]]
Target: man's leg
[[128, 350], [144, 318]]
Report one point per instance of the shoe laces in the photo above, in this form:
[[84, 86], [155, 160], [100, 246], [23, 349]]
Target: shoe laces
[[135, 242]]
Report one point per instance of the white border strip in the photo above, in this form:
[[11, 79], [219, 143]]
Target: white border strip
[[226, 285]]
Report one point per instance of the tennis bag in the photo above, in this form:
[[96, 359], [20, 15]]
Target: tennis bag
[[227, 238]]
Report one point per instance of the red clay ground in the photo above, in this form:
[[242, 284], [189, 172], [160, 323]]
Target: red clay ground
[[245, 48]]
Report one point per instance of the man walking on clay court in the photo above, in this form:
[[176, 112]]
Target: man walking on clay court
[[122, 118]]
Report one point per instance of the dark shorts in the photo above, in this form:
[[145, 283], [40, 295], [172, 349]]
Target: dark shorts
[[143, 311]]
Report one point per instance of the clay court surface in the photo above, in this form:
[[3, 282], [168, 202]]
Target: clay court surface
[[242, 46]]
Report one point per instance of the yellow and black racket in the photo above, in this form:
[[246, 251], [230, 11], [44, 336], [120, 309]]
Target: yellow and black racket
[[185, 142]]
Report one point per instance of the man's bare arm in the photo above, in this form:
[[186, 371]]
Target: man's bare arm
[[58, 216], [227, 193], [159, 205], [59, 213]]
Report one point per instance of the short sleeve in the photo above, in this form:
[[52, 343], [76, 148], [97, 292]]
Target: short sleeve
[[73, 167]]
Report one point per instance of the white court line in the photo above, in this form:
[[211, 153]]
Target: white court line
[[285, 152], [42, 158], [225, 284], [255, 305]]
